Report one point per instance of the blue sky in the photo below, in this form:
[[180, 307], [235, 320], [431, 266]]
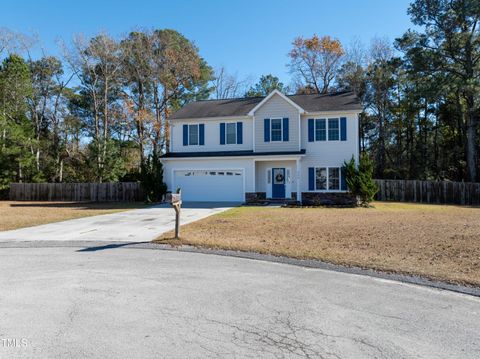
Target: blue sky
[[248, 37]]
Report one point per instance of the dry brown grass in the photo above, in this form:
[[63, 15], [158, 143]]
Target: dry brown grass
[[440, 242], [25, 214]]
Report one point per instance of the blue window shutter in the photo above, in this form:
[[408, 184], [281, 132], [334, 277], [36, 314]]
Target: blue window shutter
[[343, 128], [311, 130], [222, 133], [266, 130], [285, 129], [201, 134], [343, 182], [185, 135], [311, 179], [239, 133]]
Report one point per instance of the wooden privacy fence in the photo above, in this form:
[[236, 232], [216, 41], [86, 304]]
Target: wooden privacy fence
[[92, 192], [465, 193]]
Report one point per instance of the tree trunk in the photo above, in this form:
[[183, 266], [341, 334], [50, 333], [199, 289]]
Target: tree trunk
[[472, 139], [60, 174]]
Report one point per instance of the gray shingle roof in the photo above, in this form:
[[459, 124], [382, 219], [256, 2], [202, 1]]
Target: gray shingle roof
[[336, 101]]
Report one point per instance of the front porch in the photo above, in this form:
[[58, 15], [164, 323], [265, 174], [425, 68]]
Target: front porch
[[276, 180]]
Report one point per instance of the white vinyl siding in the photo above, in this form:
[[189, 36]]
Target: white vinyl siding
[[326, 154], [212, 135], [277, 108]]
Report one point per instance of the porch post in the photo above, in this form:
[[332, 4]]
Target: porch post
[[299, 179], [254, 176]]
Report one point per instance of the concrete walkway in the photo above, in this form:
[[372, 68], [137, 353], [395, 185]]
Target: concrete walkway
[[138, 225], [103, 301]]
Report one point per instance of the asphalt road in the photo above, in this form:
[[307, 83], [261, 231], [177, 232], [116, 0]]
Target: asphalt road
[[120, 302]]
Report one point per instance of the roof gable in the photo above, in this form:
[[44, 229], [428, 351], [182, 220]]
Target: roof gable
[[270, 95]]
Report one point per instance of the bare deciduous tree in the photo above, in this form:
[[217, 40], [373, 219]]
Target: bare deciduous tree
[[315, 61], [227, 85]]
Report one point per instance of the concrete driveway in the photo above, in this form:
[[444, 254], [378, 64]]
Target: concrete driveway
[[111, 301], [138, 225]]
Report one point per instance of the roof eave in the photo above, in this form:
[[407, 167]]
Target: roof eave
[[210, 118]]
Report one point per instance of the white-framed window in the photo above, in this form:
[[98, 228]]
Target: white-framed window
[[276, 131], [326, 129], [231, 133], [327, 178], [320, 129], [321, 179], [193, 135], [334, 178], [333, 129]]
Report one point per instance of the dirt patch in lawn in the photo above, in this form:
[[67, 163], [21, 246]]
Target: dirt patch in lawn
[[439, 242], [15, 214]]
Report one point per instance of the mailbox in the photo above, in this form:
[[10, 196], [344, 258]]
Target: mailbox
[[175, 200]]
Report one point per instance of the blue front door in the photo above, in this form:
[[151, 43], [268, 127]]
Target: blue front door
[[278, 183]]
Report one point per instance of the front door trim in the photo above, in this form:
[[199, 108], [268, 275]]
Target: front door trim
[[278, 182]]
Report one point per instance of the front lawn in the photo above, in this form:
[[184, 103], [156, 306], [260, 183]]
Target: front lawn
[[15, 214], [440, 242]]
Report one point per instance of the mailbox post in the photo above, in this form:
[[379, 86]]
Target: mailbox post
[[176, 202]]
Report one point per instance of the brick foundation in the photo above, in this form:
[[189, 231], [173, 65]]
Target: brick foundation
[[328, 199], [253, 197]]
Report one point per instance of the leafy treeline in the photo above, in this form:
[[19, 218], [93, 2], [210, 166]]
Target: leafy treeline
[[99, 112], [421, 95]]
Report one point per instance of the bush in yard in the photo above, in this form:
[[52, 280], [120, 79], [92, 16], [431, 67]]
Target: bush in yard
[[360, 179], [152, 179]]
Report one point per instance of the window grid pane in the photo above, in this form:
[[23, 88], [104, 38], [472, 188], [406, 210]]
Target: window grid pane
[[276, 129], [193, 134], [320, 130], [321, 179], [231, 133], [334, 178], [333, 132]]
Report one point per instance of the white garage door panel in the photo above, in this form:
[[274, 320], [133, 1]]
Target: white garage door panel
[[210, 185]]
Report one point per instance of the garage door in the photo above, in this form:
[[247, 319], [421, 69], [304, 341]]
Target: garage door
[[210, 185]]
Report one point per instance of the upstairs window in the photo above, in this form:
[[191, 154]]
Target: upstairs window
[[276, 126], [193, 135], [333, 129], [320, 130], [231, 133]]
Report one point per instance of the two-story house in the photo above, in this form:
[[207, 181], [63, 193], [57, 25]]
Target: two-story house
[[278, 147]]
